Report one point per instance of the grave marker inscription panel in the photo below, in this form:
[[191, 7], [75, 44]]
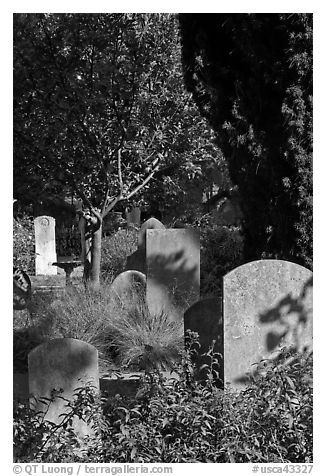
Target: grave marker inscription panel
[[173, 270], [267, 304], [45, 246]]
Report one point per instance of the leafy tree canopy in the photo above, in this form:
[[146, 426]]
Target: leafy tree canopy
[[100, 105]]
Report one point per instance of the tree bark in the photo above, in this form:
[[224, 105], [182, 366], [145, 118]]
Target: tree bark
[[91, 238], [94, 277]]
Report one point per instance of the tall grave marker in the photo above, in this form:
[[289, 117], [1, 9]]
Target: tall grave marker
[[267, 305], [45, 245], [173, 270], [137, 260]]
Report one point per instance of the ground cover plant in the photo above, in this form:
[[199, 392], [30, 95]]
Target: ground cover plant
[[125, 334], [184, 421], [24, 243]]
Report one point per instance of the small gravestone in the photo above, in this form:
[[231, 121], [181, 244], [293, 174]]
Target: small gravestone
[[150, 224], [137, 260], [267, 304], [128, 288], [173, 270], [206, 318], [65, 364], [45, 245], [133, 217]]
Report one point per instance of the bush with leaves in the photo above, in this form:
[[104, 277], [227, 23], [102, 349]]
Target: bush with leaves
[[221, 251], [185, 421], [24, 244]]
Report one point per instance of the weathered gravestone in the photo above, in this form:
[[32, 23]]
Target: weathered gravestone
[[45, 245], [206, 318], [137, 260], [267, 304], [128, 288], [173, 271], [133, 216], [65, 364]]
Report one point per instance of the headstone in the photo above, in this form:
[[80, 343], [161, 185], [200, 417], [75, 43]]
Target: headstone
[[133, 217], [150, 224], [173, 271], [137, 260], [128, 287], [45, 245], [206, 318], [65, 364], [267, 304]]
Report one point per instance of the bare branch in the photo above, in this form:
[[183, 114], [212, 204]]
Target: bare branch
[[119, 172], [145, 181], [111, 205]]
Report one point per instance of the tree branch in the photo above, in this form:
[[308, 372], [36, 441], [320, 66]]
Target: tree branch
[[111, 205], [146, 180], [119, 172]]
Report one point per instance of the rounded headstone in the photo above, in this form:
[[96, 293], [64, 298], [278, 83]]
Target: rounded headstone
[[127, 286], [267, 305], [65, 364], [150, 224]]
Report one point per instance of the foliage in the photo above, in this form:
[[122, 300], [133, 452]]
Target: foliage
[[124, 332], [24, 244], [43, 440], [221, 251], [100, 107], [24, 340], [115, 250], [146, 341], [184, 421], [251, 77]]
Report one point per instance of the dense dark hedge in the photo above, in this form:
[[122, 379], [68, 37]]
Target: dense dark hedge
[[251, 76]]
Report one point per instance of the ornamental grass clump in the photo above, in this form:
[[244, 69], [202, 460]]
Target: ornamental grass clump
[[146, 341], [122, 329]]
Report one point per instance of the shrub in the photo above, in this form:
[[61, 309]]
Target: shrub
[[184, 421], [24, 244], [115, 250], [221, 251]]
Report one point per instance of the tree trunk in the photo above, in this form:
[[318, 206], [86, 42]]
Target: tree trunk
[[94, 278], [85, 249], [91, 253]]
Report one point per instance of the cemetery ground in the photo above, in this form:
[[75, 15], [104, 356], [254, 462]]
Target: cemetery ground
[[111, 380]]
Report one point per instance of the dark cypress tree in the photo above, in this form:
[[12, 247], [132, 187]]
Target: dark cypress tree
[[251, 77]]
